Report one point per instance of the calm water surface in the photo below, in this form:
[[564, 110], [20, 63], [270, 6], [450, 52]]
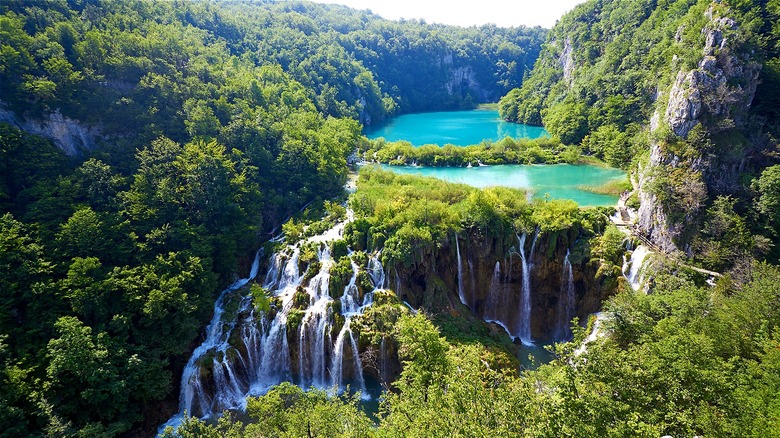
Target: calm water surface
[[460, 128], [560, 181]]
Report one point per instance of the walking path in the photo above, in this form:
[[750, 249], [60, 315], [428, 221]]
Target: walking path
[[625, 224]]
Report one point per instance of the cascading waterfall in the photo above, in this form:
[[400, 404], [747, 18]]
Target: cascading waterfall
[[247, 352], [495, 282], [566, 307], [632, 268], [495, 310], [524, 331], [216, 339], [337, 367], [461, 295], [384, 373]]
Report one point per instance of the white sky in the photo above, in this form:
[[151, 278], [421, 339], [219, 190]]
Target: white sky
[[504, 13]]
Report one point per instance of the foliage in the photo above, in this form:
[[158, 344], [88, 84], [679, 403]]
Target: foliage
[[684, 360], [190, 69], [768, 202], [288, 411], [260, 298], [506, 151]]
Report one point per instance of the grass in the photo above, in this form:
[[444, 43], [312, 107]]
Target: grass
[[612, 187], [488, 106]]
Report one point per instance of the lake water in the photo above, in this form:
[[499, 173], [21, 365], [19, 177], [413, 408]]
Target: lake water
[[459, 128], [560, 181]]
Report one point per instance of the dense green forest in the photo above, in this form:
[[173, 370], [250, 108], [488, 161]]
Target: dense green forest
[[681, 93], [185, 69], [606, 64], [219, 124], [215, 122]]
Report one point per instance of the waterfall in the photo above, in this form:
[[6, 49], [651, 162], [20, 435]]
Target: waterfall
[[220, 376], [217, 333], [376, 271], [495, 310], [349, 300], [525, 300], [632, 268], [461, 295], [383, 360], [566, 306], [495, 282], [337, 367]]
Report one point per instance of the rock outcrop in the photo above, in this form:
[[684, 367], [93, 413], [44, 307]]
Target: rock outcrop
[[567, 60], [716, 95], [70, 135], [495, 293]]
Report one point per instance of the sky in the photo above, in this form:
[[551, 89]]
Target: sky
[[504, 13]]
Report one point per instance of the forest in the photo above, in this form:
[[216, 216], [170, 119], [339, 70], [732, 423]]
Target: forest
[[215, 127]]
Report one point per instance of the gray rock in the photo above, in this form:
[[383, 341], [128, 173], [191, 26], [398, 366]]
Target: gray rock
[[70, 135]]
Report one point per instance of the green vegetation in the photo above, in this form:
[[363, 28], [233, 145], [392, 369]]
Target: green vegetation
[[411, 217], [222, 122], [115, 268], [151, 68], [605, 64], [685, 360], [506, 151], [613, 187], [603, 80], [218, 123]]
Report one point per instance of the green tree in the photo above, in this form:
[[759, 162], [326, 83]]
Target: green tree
[[567, 121], [768, 203]]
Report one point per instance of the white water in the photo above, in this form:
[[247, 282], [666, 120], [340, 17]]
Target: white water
[[461, 295], [595, 333], [632, 269], [220, 376], [493, 300], [525, 301], [191, 387], [566, 306]]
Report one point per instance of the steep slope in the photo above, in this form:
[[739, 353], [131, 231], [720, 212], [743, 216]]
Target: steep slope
[[130, 71], [666, 89]]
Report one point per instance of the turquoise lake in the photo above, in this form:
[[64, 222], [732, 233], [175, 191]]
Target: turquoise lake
[[560, 181], [459, 128]]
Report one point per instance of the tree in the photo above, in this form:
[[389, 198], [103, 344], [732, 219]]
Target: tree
[[84, 381], [768, 205], [567, 121]]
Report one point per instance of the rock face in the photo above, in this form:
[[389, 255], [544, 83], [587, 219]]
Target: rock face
[[722, 87], [462, 80], [716, 94], [491, 280], [566, 60], [70, 135]]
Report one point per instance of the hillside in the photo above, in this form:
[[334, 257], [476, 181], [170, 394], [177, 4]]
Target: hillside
[[147, 68], [148, 148], [154, 153], [683, 93]]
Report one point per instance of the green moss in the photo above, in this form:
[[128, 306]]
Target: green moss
[[294, 320], [364, 283], [340, 274], [360, 258], [311, 271], [338, 249], [301, 298]]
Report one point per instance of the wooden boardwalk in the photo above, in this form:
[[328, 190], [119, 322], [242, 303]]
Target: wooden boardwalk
[[625, 224]]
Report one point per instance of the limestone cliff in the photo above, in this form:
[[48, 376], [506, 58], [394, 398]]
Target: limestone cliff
[[716, 96], [70, 135], [492, 275]]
